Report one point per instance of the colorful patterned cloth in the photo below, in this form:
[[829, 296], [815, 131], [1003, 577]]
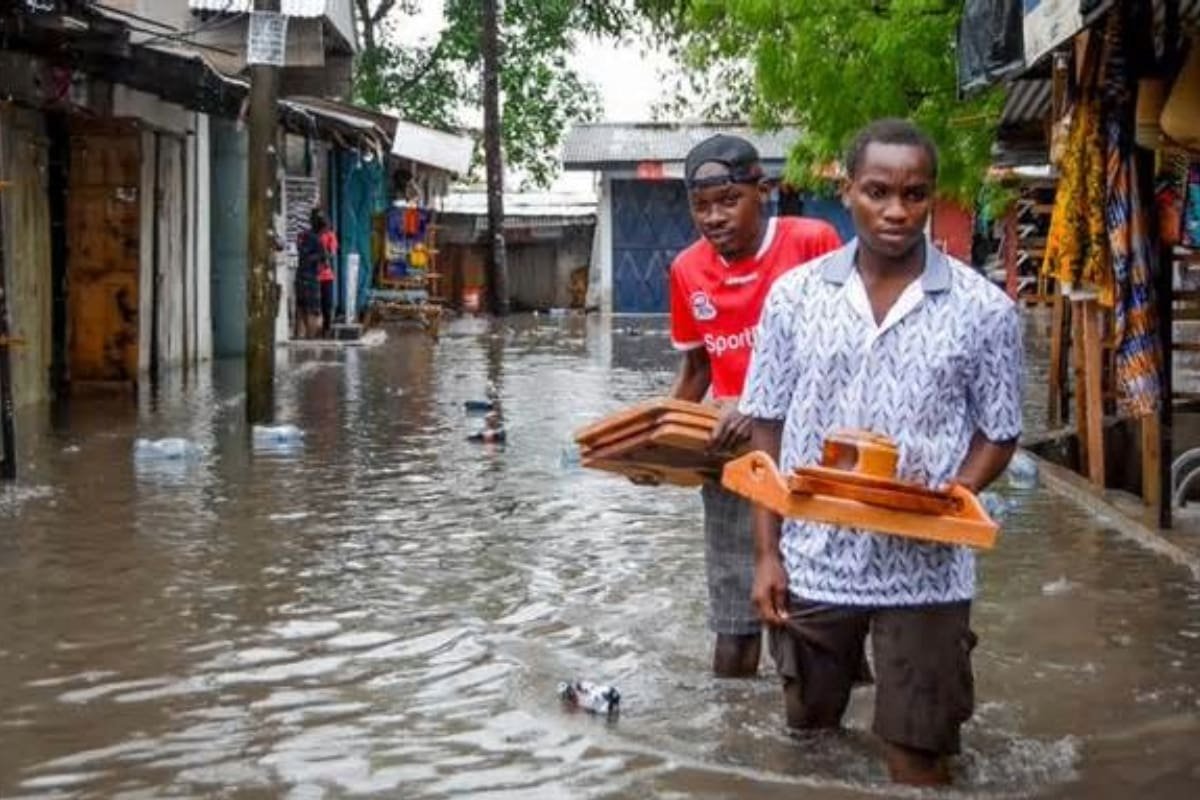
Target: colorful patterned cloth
[[1077, 243], [1139, 355]]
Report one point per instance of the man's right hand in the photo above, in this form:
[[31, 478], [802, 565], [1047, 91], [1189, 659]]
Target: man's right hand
[[770, 590]]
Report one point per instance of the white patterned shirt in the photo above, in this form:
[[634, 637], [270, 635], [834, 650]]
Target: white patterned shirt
[[945, 363]]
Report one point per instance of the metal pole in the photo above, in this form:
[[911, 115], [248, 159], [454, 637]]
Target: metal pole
[[261, 299], [498, 260], [8, 467]]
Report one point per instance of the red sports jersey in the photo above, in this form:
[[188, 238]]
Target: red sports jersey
[[715, 304]]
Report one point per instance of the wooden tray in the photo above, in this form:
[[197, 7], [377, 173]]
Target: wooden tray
[[882, 492], [755, 477], [668, 446], [647, 412], [669, 475], [640, 426]]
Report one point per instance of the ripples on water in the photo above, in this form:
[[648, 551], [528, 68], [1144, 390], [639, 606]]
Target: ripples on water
[[386, 610]]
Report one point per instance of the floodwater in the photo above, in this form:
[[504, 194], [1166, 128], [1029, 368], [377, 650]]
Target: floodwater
[[386, 609]]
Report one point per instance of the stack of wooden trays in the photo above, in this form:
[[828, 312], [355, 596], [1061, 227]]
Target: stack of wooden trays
[[665, 441]]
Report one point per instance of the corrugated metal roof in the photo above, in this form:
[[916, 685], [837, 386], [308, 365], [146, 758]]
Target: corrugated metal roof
[[293, 8], [548, 205], [1028, 101], [609, 144], [339, 12]]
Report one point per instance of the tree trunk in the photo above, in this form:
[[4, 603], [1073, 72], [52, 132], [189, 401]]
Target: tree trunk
[[261, 292], [497, 261]]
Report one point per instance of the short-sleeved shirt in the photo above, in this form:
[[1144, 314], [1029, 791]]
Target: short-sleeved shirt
[[715, 303], [945, 363]]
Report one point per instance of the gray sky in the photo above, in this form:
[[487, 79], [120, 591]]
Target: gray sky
[[627, 80]]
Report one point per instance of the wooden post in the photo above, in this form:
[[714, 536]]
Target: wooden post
[[494, 159], [1151, 460], [1058, 365], [1081, 386], [1093, 417], [261, 295], [8, 467], [1008, 252]]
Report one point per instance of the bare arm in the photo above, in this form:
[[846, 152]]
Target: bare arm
[[985, 462], [770, 579], [695, 374]]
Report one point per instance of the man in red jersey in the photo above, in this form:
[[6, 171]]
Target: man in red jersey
[[718, 286]]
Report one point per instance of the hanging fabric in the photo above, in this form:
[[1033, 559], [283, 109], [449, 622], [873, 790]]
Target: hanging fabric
[[1077, 241], [1138, 355]]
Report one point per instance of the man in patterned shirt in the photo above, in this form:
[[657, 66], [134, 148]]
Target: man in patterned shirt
[[717, 289], [891, 335]]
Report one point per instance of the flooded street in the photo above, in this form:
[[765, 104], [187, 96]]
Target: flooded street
[[386, 608]]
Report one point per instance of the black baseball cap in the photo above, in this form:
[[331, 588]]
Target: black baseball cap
[[733, 152]]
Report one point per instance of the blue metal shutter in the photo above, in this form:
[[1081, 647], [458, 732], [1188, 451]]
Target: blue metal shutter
[[651, 224]]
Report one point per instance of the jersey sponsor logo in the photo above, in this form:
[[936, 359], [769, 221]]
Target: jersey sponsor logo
[[702, 307], [719, 344]]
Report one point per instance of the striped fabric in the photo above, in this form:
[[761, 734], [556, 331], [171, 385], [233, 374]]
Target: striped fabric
[[1139, 356]]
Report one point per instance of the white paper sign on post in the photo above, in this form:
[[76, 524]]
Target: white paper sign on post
[[266, 38], [1049, 23]]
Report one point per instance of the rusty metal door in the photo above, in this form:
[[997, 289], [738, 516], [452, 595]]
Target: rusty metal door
[[103, 221]]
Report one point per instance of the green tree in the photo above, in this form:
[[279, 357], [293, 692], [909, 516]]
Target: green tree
[[831, 66], [541, 94]]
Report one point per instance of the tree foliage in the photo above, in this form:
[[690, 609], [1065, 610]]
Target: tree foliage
[[831, 66], [433, 84]]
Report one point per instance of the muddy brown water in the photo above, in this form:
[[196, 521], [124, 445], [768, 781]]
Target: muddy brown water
[[387, 609]]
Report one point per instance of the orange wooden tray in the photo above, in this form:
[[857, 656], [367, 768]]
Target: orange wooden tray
[[648, 411], [755, 477], [872, 490], [639, 426], [660, 473], [669, 446]]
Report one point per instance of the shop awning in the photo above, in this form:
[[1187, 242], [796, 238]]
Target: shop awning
[[446, 151]]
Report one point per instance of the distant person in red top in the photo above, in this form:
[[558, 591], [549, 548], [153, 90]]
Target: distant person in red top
[[718, 286], [314, 277]]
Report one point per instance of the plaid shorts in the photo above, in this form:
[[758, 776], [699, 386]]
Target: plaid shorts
[[729, 561]]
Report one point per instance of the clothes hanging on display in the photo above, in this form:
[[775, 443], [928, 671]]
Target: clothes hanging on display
[[406, 251], [1077, 241], [1138, 356]]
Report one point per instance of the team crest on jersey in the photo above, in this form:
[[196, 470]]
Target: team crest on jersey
[[702, 307]]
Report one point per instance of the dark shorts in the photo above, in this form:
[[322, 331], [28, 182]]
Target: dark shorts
[[729, 561], [925, 689], [308, 294]]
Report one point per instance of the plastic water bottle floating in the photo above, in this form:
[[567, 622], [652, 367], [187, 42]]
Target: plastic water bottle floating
[[277, 435], [169, 449], [1022, 472], [594, 698]]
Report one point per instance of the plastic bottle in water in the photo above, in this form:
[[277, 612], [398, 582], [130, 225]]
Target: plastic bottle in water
[[591, 697], [170, 449], [277, 435], [1022, 472], [996, 505]]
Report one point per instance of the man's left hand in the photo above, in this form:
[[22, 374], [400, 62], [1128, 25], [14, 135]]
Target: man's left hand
[[732, 431]]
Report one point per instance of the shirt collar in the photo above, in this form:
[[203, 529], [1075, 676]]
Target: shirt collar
[[768, 240], [934, 278]]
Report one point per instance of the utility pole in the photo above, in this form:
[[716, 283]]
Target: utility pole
[[8, 467], [262, 298], [494, 159]]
